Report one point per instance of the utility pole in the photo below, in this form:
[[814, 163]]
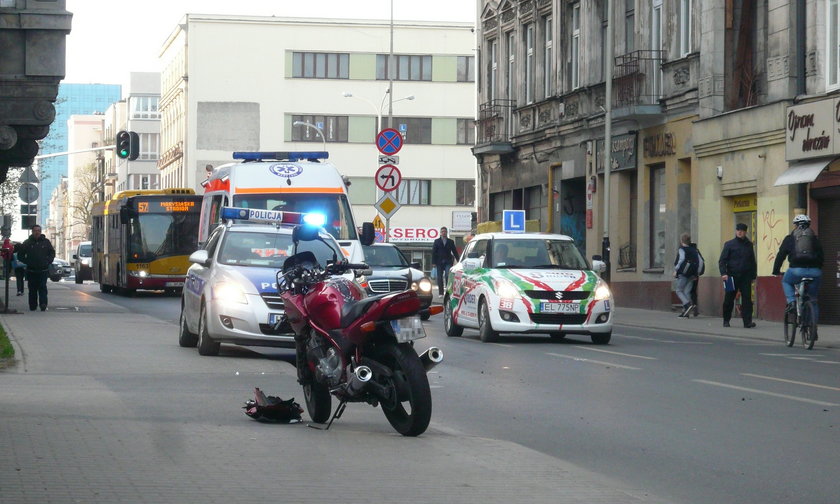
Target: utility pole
[[605, 244], [391, 73]]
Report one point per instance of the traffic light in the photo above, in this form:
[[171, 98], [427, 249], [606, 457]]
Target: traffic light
[[128, 145], [123, 144], [134, 146]]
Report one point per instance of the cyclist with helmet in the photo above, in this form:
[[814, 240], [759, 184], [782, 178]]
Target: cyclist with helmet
[[804, 253]]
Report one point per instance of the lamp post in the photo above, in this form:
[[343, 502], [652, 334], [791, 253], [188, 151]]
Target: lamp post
[[379, 110], [316, 128]]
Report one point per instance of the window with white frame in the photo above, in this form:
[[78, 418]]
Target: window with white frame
[[466, 132], [629, 26], [406, 67], [832, 64], [530, 66], [574, 47], [145, 107], [685, 27], [334, 128], [311, 65], [492, 69], [144, 182], [511, 58], [465, 192], [149, 146], [548, 58], [410, 192]]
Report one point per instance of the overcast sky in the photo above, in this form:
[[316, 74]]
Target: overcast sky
[[102, 29]]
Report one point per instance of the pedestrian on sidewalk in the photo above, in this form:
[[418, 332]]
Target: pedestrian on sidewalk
[[444, 255], [696, 310], [738, 267], [37, 253], [686, 269], [20, 270]]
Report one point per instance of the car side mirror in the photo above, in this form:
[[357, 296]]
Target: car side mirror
[[415, 265], [598, 265], [125, 217], [368, 234], [200, 257], [472, 263], [75, 256]]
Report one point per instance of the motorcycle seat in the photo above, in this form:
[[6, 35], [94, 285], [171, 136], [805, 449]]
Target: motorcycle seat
[[352, 311]]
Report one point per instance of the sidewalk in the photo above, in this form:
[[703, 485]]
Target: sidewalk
[[829, 335]]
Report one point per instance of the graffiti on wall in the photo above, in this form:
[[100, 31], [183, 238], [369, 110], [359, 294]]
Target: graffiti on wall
[[772, 234]]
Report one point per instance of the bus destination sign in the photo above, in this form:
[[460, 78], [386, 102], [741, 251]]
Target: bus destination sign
[[165, 206]]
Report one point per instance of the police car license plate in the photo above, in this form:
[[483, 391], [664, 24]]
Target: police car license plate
[[174, 284], [560, 308], [273, 318], [408, 329]]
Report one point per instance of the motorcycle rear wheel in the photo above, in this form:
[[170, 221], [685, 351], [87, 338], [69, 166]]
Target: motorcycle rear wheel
[[410, 409], [318, 402]]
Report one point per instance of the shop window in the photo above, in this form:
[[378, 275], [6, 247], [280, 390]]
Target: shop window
[[658, 208]]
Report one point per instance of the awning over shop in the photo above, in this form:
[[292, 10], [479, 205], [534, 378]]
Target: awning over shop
[[803, 172]]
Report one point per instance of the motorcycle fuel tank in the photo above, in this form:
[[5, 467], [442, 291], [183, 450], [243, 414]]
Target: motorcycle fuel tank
[[326, 302]]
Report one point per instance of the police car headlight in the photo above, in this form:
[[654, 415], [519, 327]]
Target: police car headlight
[[505, 289], [602, 292], [229, 292]]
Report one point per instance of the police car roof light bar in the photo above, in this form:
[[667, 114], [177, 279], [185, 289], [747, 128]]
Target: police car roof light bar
[[265, 216], [281, 156]]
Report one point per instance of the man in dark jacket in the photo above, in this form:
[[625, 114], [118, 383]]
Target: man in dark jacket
[[37, 253], [444, 255], [738, 269], [800, 266]]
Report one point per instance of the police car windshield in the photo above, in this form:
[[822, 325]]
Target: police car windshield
[[336, 209], [384, 256], [268, 249], [537, 253]]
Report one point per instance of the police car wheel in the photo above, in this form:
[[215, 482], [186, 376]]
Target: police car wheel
[[186, 338], [206, 346], [601, 339]]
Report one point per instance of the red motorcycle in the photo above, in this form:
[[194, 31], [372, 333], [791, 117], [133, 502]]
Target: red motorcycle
[[354, 347]]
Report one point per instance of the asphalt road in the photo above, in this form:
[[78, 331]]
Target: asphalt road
[[685, 418]]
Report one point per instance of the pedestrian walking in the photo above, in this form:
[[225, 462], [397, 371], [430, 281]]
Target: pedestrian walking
[[37, 253], [444, 255], [738, 269], [20, 270], [687, 267], [696, 310]]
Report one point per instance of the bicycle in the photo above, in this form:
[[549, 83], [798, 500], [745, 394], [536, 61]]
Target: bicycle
[[802, 320]]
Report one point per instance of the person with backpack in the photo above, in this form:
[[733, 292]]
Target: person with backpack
[[804, 253], [687, 267], [738, 268], [701, 272]]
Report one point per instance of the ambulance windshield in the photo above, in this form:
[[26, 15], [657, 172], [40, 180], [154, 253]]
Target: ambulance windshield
[[336, 209]]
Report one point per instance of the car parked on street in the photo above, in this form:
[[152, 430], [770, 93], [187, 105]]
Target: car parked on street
[[81, 262], [391, 272], [60, 269], [527, 283], [230, 293]]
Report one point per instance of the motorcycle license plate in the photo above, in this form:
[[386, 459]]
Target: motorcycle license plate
[[560, 308], [408, 329], [273, 318]]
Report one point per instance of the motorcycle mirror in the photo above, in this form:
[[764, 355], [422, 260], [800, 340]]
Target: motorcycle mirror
[[304, 233]]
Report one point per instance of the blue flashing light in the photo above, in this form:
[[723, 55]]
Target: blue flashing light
[[315, 219], [281, 156]]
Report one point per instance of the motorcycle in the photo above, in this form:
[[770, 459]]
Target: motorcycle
[[355, 347]]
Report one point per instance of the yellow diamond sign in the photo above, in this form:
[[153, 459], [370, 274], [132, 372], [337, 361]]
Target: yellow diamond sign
[[387, 205]]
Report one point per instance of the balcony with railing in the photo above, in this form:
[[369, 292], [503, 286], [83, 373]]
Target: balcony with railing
[[495, 127], [637, 85]]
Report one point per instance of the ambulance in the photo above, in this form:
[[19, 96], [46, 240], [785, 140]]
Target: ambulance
[[288, 181]]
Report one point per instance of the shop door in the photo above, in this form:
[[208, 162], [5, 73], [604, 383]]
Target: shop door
[[829, 234], [749, 218]]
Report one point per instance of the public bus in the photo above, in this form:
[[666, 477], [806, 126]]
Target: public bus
[[143, 239]]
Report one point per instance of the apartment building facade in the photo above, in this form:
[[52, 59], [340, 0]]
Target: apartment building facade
[[702, 93], [218, 97]]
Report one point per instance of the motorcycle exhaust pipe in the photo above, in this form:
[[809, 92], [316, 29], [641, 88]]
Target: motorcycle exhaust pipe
[[358, 380], [431, 358]]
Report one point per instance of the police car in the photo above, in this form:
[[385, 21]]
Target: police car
[[230, 292], [527, 283]]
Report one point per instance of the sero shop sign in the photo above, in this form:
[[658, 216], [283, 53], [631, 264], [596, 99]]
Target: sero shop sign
[[413, 234]]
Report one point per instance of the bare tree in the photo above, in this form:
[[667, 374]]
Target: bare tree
[[9, 192], [80, 203]]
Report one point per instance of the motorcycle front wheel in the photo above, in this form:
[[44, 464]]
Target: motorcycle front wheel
[[409, 407]]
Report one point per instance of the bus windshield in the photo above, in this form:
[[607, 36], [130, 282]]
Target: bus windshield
[[152, 235], [336, 209]]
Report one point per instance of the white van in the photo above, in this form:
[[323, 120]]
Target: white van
[[290, 181], [81, 262]]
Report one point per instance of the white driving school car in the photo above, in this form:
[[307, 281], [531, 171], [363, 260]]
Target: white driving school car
[[526, 283], [230, 293]]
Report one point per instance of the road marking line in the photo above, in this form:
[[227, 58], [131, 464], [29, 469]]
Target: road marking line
[[502, 345], [581, 359], [774, 394], [827, 362], [624, 336], [792, 381], [615, 353]]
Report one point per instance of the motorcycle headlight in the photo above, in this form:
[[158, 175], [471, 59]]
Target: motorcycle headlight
[[602, 292], [229, 292], [505, 289]]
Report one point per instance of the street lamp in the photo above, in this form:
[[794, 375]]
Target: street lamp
[[378, 110], [316, 128]]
